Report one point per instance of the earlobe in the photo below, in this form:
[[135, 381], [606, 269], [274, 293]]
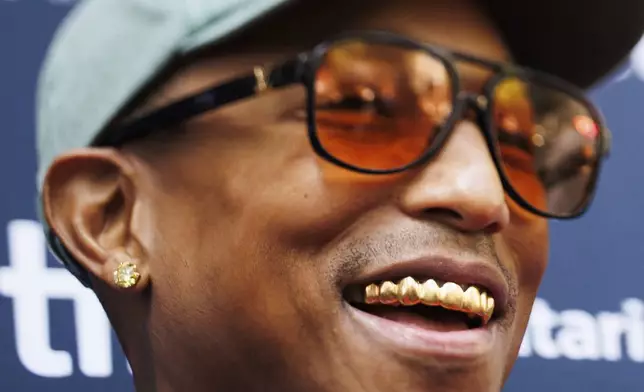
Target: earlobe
[[125, 272], [88, 200]]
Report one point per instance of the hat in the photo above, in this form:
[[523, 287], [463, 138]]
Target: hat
[[578, 40], [107, 51]]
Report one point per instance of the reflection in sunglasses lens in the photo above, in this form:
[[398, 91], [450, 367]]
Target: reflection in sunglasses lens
[[378, 107], [548, 141]]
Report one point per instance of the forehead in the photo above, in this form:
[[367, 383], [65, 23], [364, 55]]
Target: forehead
[[458, 24]]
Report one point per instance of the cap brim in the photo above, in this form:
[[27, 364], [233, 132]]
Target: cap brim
[[578, 40]]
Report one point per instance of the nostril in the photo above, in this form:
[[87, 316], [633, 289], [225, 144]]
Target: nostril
[[487, 221], [442, 214]]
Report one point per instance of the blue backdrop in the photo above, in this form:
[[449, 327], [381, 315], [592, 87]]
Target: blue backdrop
[[587, 328]]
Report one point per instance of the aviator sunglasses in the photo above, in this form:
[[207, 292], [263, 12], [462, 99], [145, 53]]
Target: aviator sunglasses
[[380, 103]]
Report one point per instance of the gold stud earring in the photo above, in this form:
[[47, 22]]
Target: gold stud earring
[[126, 275]]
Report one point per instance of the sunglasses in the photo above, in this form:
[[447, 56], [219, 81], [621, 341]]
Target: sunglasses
[[380, 103]]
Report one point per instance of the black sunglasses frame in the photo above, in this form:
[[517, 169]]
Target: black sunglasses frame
[[303, 69]]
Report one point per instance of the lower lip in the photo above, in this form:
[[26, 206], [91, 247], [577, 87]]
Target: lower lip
[[466, 345]]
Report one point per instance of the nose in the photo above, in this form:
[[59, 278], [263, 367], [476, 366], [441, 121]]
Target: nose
[[460, 186]]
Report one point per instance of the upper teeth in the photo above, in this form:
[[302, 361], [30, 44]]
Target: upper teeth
[[408, 292]]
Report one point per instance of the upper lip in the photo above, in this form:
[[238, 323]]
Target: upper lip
[[478, 273]]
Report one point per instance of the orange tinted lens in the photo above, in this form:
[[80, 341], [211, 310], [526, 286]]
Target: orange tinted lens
[[378, 107], [548, 144]]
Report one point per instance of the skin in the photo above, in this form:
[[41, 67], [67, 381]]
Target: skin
[[244, 237]]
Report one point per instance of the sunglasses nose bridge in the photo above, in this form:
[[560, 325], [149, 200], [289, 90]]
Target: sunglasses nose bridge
[[475, 107], [478, 102]]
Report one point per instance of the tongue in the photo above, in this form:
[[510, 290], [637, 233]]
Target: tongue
[[436, 319]]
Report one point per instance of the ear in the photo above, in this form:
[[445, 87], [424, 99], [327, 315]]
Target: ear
[[89, 196]]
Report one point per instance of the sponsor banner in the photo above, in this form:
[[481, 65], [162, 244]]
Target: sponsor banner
[[587, 327]]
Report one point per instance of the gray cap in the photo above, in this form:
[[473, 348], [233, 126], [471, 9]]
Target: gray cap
[[107, 50]]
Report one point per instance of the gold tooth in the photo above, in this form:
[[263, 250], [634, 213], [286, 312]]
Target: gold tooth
[[489, 310], [429, 295], [451, 296], [483, 304], [490, 305], [472, 300], [371, 294], [388, 293], [409, 291]]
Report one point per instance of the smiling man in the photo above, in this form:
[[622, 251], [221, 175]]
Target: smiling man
[[321, 195]]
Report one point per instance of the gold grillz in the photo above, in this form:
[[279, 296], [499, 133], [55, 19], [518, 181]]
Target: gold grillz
[[409, 292]]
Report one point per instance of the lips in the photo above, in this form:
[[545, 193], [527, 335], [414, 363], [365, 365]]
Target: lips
[[449, 306]]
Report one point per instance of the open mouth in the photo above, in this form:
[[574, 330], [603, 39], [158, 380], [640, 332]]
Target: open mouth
[[425, 302]]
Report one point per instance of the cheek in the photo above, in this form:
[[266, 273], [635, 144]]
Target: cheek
[[217, 286], [529, 244]]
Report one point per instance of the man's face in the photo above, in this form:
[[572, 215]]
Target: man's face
[[253, 244]]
